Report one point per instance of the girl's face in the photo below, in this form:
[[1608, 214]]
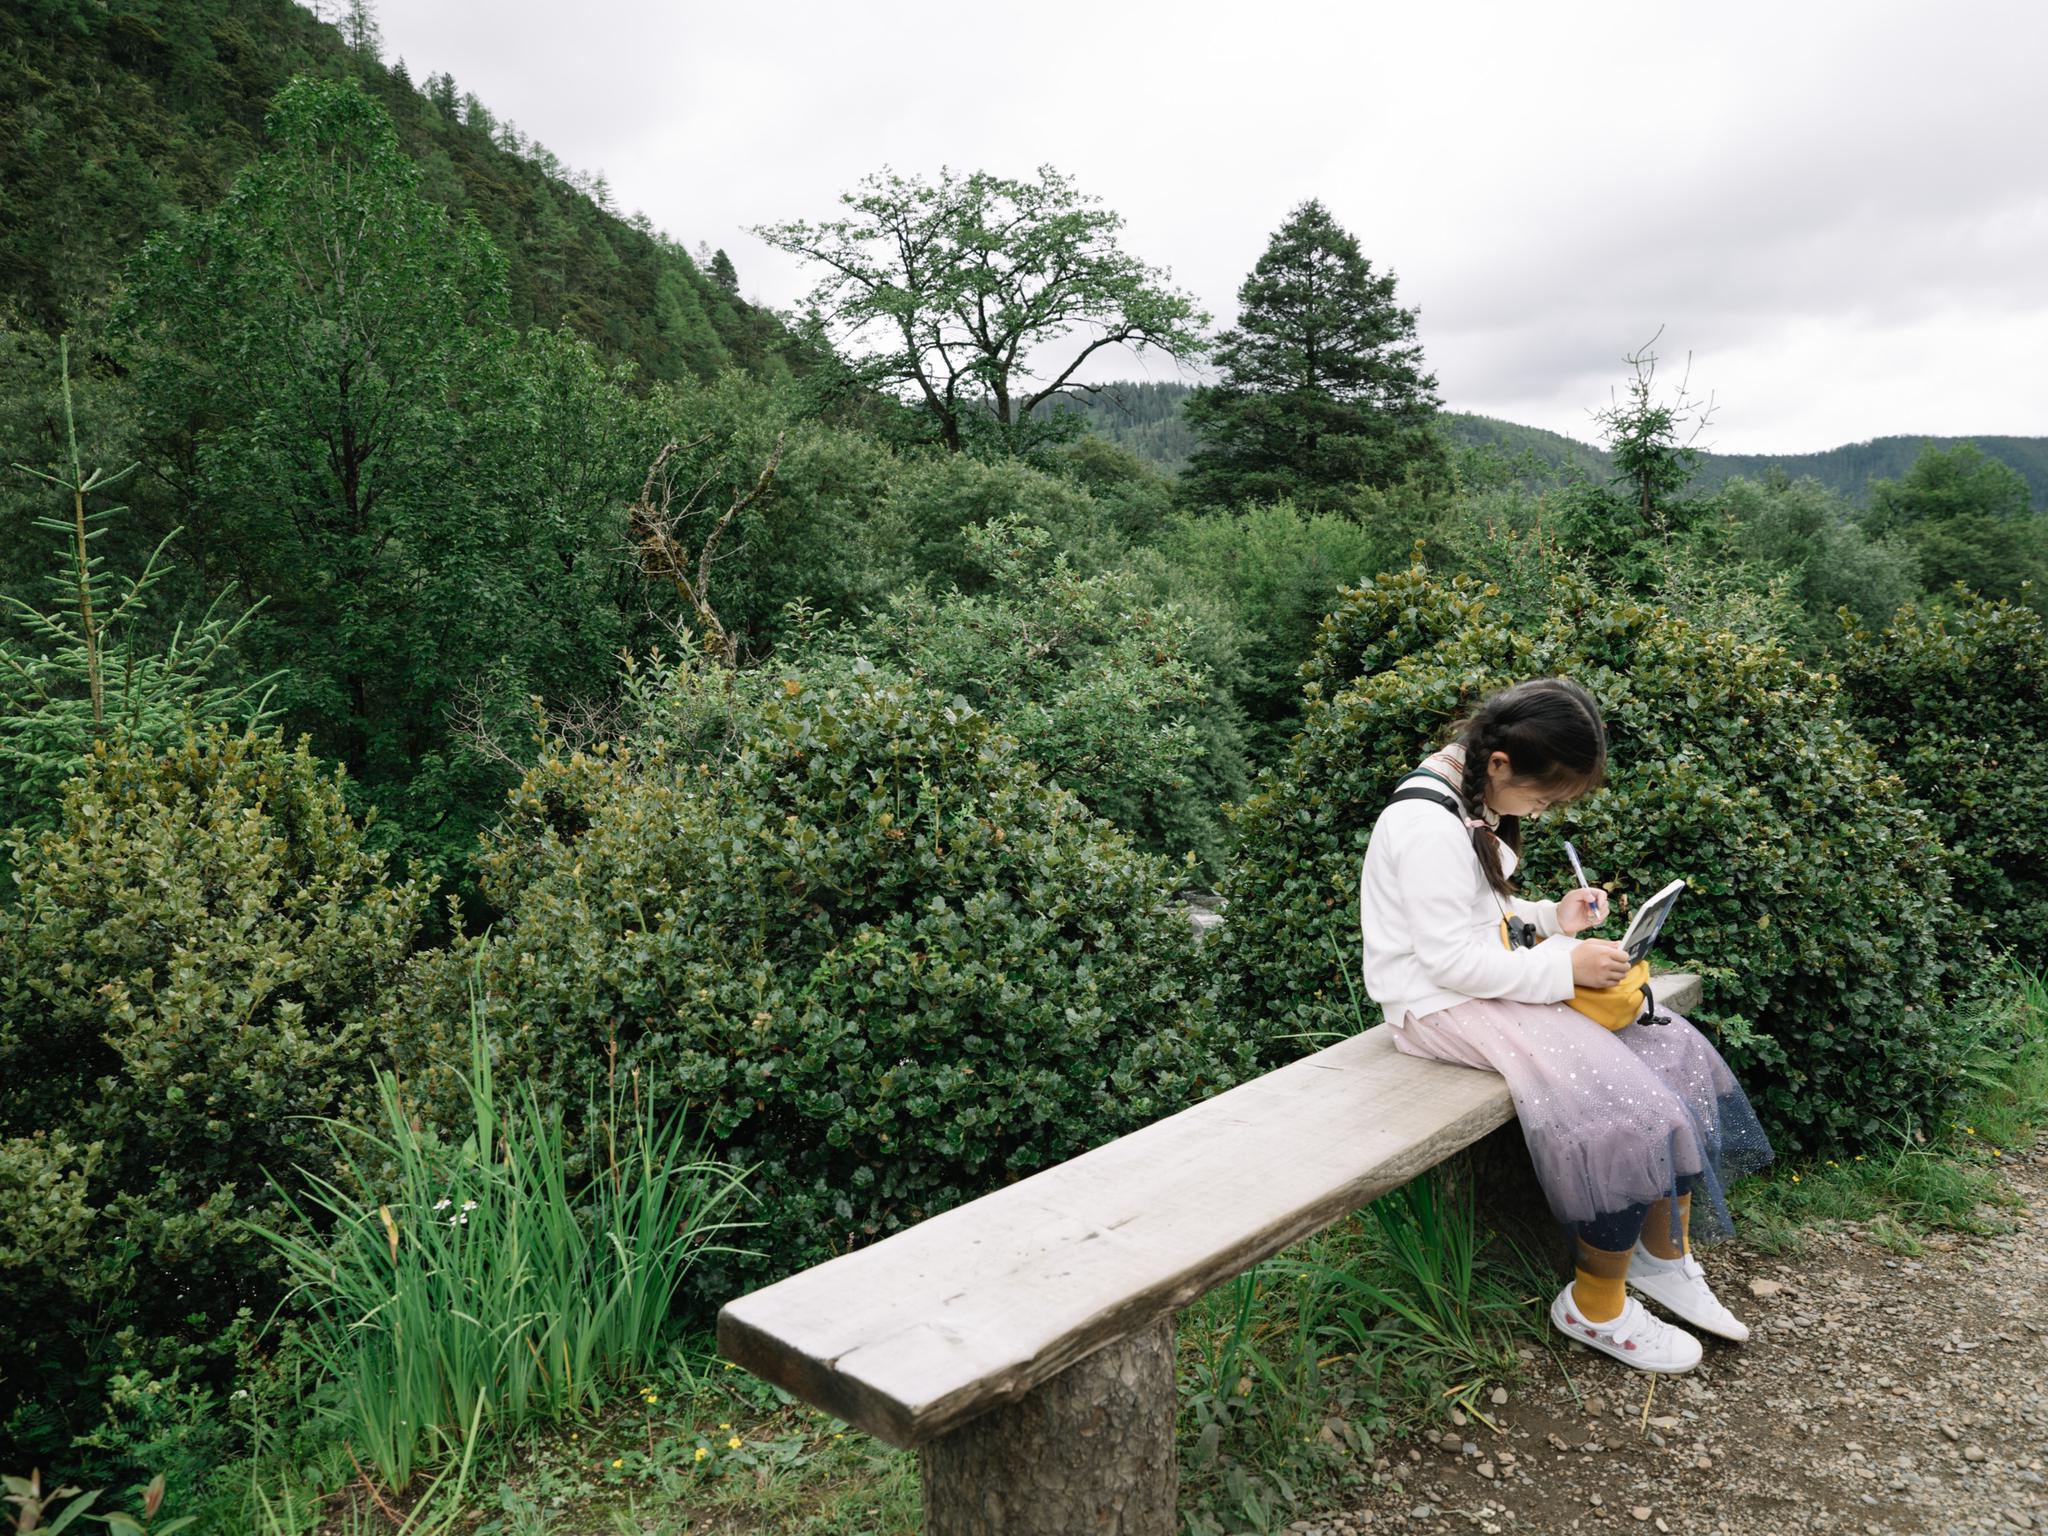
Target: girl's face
[[1509, 798]]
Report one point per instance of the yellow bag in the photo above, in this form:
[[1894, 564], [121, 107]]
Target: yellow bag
[[1614, 1007]]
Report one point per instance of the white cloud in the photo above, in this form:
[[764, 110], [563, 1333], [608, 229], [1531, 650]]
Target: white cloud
[[1841, 210]]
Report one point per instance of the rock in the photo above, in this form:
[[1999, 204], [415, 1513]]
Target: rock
[[1486, 1470], [1703, 1463], [1641, 1512], [1458, 1417], [1422, 1512], [1500, 1396], [1764, 1289], [1595, 1500], [1951, 1431], [1449, 1442], [1595, 1406], [1973, 1453], [1558, 1442]]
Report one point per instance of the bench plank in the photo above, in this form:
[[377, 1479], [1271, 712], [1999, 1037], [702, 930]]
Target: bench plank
[[912, 1336]]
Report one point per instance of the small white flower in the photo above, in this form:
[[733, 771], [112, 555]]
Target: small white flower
[[469, 1205], [453, 1219], [238, 1392], [464, 1218], [443, 1203]]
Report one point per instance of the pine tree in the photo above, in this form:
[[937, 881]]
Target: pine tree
[[722, 272], [360, 31], [1323, 390]]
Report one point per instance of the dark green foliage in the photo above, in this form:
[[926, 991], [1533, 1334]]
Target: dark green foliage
[[1955, 699], [432, 506], [891, 966], [87, 671], [1100, 686], [1143, 416], [112, 120], [1965, 517], [1806, 535], [1323, 388], [1819, 908], [198, 954], [1275, 571]]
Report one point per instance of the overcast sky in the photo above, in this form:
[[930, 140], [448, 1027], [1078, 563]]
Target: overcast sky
[[1840, 210]]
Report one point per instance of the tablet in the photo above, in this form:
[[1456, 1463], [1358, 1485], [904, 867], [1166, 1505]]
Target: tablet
[[1648, 921]]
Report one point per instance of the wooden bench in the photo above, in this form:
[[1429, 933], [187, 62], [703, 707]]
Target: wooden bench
[[1023, 1343]]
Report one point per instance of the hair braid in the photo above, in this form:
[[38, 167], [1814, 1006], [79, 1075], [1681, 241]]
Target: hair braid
[[1480, 739]]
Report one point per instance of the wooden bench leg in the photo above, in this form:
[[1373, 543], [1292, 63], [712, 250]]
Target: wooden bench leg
[[1089, 1453]]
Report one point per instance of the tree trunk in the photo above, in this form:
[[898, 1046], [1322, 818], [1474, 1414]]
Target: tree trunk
[[1089, 1453]]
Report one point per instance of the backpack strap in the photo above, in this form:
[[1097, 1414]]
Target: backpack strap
[[1443, 798]]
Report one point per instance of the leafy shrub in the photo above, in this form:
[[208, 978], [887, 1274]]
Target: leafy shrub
[[1276, 570], [195, 958], [1809, 537], [1097, 683], [1731, 765], [1951, 696], [890, 965]]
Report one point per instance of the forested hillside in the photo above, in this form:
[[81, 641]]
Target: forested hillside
[[115, 117], [1145, 417]]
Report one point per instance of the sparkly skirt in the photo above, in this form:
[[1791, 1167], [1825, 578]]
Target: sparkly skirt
[[1613, 1118]]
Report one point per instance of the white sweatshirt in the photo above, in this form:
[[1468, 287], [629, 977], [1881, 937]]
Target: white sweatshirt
[[1432, 923]]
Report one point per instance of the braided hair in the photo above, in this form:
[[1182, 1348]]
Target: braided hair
[[1554, 737]]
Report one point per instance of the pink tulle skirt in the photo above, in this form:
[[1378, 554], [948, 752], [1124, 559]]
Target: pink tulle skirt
[[1613, 1119]]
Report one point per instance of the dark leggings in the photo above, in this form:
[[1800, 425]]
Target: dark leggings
[[1612, 1231]]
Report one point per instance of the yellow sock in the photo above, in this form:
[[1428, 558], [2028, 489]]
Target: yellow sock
[[1657, 1229], [1598, 1282]]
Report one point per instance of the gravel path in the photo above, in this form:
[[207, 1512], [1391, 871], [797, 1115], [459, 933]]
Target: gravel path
[[1877, 1394]]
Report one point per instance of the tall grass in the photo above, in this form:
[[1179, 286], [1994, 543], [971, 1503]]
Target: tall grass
[[485, 1290]]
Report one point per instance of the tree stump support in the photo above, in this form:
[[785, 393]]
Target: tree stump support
[[1089, 1451]]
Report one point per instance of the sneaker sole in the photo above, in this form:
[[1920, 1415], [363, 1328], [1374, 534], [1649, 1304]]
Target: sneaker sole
[[1627, 1357], [1689, 1318]]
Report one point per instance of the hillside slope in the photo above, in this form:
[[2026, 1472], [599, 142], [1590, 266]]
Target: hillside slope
[[1145, 418], [115, 115]]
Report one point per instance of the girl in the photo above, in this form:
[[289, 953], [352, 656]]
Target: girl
[[1624, 1127]]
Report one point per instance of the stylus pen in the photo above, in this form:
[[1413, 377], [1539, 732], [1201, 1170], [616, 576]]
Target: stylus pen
[[1580, 870]]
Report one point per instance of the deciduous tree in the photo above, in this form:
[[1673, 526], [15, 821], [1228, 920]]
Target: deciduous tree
[[982, 295]]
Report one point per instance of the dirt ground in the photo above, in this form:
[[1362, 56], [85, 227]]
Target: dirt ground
[[1876, 1394]]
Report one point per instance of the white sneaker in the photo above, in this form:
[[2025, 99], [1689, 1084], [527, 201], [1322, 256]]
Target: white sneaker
[[1634, 1338], [1680, 1286]]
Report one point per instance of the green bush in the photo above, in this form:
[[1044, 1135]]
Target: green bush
[[196, 958], [1819, 908], [890, 965], [1100, 686], [1952, 698]]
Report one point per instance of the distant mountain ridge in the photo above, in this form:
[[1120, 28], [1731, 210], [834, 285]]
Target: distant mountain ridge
[[1145, 417]]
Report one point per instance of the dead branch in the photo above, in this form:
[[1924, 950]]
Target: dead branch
[[656, 524]]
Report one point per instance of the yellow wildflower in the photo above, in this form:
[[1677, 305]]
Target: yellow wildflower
[[618, 1461], [733, 1444], [701, 1454]]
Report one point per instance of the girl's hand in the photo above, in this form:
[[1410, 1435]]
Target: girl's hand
[[1581, 909], [1598, 963]]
